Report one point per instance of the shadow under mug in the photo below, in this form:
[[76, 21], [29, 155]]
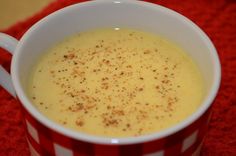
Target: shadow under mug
[[48, 138]]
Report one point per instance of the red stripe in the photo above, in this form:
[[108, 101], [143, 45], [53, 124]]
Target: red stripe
[[173, 150], [78, 153], [201, 135], [106, 150], [45, 139], [131, 150], [46, 145], [203, 129], [153, 146], [30, 118], [61, 139], [82, 148], [175, 139], [33, 143]]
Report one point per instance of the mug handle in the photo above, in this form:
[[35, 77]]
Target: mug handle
[[8, 43]]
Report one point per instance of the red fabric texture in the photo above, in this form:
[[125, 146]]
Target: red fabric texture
[[216, 17]]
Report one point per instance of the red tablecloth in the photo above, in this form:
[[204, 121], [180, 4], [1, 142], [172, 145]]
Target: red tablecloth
[[216, 17]]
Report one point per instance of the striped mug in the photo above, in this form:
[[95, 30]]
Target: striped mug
[[47, 138]]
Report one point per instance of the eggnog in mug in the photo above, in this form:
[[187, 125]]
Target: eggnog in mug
[[116, 82]]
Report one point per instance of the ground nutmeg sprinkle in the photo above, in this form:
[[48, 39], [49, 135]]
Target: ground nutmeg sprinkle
[[116, 82]]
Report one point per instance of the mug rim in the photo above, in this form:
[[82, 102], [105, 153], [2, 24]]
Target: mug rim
[[119, 140]]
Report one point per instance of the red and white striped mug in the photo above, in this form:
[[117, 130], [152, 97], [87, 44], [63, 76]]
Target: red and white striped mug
[[48, 138]]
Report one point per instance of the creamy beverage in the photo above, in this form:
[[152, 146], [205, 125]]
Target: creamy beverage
[[116, 82]]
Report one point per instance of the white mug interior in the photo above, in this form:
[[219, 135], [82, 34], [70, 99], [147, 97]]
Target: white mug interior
[[132, 14]]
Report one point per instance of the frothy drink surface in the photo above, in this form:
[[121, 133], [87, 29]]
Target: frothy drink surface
[[116, 82]]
